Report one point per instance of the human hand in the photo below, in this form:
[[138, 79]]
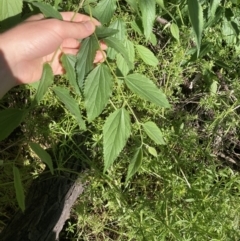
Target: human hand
[[37, 40]]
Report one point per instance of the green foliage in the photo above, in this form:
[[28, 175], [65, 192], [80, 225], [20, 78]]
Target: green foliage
[[45, 81], [153, 132], [103, 32], [146, 55], [69, 62], [85, 59], [148, 10], [47, 10], [70, 103], [196, 17], [10, 9], [135, 163], [116, 131], [175, 31], [9, 120], [97, 90], [167, 116], [43, 155], [104, 10], [146, 89], [19, 188], [119, 47]]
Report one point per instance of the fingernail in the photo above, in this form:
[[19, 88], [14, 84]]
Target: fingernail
[[89, 25]]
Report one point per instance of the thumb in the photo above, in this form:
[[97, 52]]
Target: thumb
[[77, 30]]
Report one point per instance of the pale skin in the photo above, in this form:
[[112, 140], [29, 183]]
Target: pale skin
[[25, 48]]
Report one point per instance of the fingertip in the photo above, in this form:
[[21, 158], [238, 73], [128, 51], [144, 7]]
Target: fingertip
[[90, 26]]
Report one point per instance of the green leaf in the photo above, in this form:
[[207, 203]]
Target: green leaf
[[148, 10], [204, 50], [116, 131], [45, 82], [235, 1], [10, 8], [130, 50], [69, 62], [98, 88], [43, 155], [222, 64], [152, 151], [154, 132], [119, 25], [104, 32], [196, 17], [160, 3], [135, 164], [19, 188], [146, 55], [47, 10], [85, 58], [133, 4], [214, 4], [228, 32], [153, 39], [135, 26], [104, 10], [71, 104], [214, 87], [121, 63], [119, 47], [174, 31], [56, 3], [146, 89], [9, 120]]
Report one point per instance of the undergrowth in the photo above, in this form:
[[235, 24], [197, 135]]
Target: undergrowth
[[185, 190]]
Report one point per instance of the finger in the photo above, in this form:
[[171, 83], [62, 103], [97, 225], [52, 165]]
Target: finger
[[67, 16], [70, 43], [77, 30], [100, 57], [103, 46], [70, 51], [77, 17], [36, 17]]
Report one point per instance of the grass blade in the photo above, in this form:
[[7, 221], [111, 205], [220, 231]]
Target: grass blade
[[43, 155], [19, 188], [196, 17]]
